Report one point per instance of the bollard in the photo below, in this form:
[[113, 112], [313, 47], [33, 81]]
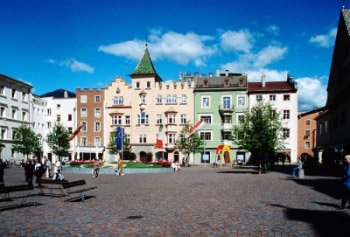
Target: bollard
[[301, 174]]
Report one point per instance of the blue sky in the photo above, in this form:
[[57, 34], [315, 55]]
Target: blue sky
[[69, 44]]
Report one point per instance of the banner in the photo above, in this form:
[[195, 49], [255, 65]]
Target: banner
[[194, 129], [159, 142], [119, 138]]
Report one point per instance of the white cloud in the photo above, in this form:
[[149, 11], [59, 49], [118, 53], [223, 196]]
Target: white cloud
[[237, 41], [269, 55], [324, 41], [73, 65], [311, 93], [181, 48]]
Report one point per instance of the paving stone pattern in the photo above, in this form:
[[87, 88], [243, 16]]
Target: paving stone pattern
[[198, 201]]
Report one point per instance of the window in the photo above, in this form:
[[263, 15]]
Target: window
[[307, 145], [171, 99], [259, 97], [142, 118], [206, 118], [13, 94], [49, 125], [2, 112], [171, 138], [171, 118], [205, 136], [226, 136], [308, 122], [286, 97], [307, 134], [70, 117], [227, 119], [24, 96], [285, 132], [159, 119], [70, 130], [159, 99], [83, 112], [142, 138], [117, 120], [118, 100], [205, 102], [97, 126], [320, 129], [226, 101], [286, 114], [24, 116], [97, 112], [83, 141], [97, 141], [183, 99], [83, 99], [240, 119], [137, 85], [143, 99], [272, 97], [58, 106], [3, 134], [183, 119], [127, 120], [97, 99], [84, 128], [14, 114], [48, 112], [326, 126], [58, 117], [241, 101], [148, 84], [2, 90]]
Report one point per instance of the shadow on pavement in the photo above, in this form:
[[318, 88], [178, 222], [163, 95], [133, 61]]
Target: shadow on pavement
[[325, 223], [330, 187]]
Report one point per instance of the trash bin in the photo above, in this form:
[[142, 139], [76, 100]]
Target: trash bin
[[301, 174]]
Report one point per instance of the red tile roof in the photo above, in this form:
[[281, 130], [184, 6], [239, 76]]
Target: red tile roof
[[270, 86]]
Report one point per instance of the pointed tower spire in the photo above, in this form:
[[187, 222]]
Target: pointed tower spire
[[145, 67]]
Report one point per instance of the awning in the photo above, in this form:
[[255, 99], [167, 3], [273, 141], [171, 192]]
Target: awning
[[87, 149]]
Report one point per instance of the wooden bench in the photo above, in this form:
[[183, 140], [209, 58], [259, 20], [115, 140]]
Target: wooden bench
[[25, 193], [76, 187], [52, 185]]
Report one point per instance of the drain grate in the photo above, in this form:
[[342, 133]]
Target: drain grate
[[134, 217]]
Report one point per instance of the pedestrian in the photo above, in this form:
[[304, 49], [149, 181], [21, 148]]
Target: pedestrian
[[297, 167], [120, 167], [29, 171], [346, 184], [57, 170], [2, 167], [38, 170], [96, 168], [176, 166], [47, 168]]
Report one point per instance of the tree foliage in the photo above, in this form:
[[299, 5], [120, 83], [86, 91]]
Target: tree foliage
[[193, 143], [26, 141], [260, 131], [58, 140]]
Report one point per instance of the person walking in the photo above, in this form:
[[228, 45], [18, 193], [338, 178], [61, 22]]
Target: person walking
[[120, 167], [57, 170], [96, 168], [47, 167], [346, 184], [29, 171]]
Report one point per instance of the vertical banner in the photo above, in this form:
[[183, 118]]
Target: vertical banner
[[119, 138]]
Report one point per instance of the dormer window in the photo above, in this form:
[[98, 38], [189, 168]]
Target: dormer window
[[226, 82], [205, 82]]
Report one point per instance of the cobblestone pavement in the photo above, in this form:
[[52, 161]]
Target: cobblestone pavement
[[198, 201]]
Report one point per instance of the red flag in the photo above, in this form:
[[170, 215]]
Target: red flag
[[159, 143], [75, 133], [194, 129]]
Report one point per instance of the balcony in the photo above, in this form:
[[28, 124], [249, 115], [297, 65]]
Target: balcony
[[226, 126], [226, 110]]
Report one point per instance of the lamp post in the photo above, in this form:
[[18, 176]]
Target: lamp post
[[90, 149]]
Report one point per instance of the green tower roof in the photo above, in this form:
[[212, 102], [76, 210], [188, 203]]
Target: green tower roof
[[145, 66]]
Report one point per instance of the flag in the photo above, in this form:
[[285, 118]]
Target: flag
[[75, 133], [159, 143], [194, 129], [119, 138]]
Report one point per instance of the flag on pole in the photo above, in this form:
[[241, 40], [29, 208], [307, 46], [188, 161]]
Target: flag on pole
[[119, 138], [194, 129], [159, 143], [75, 133]]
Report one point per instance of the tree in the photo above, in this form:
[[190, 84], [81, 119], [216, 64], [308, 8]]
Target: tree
[[26, 141], [260, 132], [193, 143], [58, 140], [112, 145]]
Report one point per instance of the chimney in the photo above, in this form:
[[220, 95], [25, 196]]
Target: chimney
[[217, 72], [263, 82], [65, 95], [226, 72]]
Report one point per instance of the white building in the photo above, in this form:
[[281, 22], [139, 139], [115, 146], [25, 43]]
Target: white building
[[283, 97]]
